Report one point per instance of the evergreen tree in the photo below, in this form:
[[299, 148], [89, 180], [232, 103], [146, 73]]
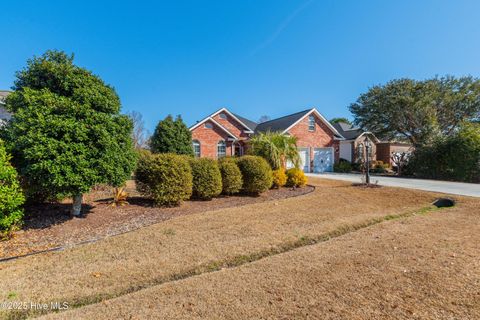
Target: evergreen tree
[[66, 133], [172, 136]]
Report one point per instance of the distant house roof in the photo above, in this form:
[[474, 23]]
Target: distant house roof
[[4, 114], [348, 131], [3, 94]]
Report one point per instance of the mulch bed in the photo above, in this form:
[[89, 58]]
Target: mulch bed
[[49, 226], [366, 185]]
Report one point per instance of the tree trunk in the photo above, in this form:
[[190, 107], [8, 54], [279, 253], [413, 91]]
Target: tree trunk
[[77, 205]]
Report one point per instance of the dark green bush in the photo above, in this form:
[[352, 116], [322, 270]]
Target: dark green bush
[[453, 158], [165, 178], [11, 195], [207, 180], [231, 176], [256, 174], [342, 166], [296, 178]]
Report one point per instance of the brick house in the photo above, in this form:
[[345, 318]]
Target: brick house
[[224, 133], [352, 148]]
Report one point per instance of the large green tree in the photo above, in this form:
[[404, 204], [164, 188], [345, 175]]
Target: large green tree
[[341, 119], [419, 111], [66, 133], [456, 157], [172, 136]]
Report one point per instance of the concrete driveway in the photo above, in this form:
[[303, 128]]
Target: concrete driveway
[[460, 188]]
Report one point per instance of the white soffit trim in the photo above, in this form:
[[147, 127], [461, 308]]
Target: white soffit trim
[[217, 124], [369, 133], [322, 118], [233, 116]]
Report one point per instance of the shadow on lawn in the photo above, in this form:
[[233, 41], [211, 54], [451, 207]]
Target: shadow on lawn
[[44, 215]]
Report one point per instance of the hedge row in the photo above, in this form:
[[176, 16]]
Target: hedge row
[[169, 179]]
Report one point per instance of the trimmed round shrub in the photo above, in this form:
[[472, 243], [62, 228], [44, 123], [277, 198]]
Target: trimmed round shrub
[[296, 178], [207, 180], [231, 176], [11, 195], [279, 178], [256, 174], [165, 178]]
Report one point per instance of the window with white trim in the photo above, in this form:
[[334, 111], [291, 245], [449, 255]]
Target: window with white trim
[[311, 123], [223, 115], [208, 125], [221, 149], [360, 151], [196, 148]]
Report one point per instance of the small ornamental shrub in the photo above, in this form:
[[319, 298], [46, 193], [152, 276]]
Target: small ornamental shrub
[[207, 180], [342, 166], [279, 178], [380, 167], [11, 195], [296, 178], [231, 176], [165, 178], [256, 174]]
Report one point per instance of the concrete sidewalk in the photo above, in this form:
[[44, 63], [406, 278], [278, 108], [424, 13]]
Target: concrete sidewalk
[[460, 188]]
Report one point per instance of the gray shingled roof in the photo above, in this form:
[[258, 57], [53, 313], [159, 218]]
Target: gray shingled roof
[[280, 124], [348, 131], [251, 124]]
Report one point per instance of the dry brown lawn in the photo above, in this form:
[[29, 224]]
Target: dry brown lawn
[[423, 267], [197, 243]]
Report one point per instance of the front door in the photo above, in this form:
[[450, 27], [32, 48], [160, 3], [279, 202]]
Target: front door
[[323, 160], [238, 150]]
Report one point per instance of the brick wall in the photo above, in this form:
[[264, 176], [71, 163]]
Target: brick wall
[[385, 150], [231, 125], [321, 137], [209, 139]]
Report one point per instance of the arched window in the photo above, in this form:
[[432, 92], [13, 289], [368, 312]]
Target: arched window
[[221, 149], [196, 148], [311, 123]]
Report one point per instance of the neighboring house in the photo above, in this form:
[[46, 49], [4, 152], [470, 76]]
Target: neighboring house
[[4, 114], [225, 133], [353, 147]]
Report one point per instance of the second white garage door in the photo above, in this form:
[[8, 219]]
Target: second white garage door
[[323, 160]]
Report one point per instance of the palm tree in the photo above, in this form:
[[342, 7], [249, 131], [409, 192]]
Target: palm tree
[[276, 148]]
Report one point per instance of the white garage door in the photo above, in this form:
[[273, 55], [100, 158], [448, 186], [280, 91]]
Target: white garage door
[[304, 159], [323, 160]]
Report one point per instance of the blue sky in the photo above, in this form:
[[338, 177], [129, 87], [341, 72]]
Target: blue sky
[[256, 57]]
